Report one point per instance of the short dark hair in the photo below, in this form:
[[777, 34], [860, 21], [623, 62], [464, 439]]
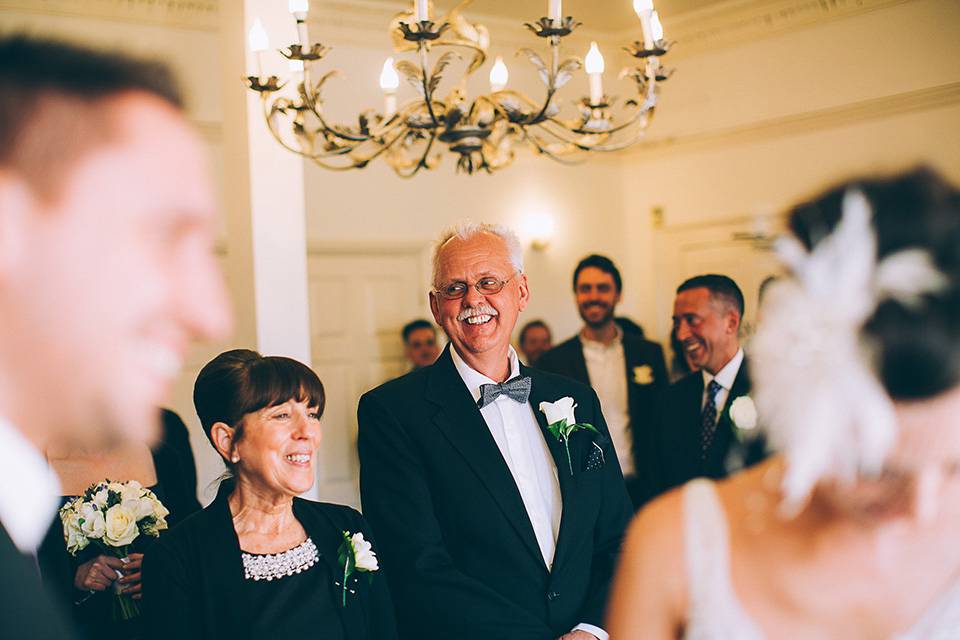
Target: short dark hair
[[242, 381], [419, 323], [721, 287], [603, 263], [918, 347], [531, 325], [51, 99]]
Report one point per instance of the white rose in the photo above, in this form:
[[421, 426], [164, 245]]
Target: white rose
[[101, 496], [364, 557], [74, 535], [93, 523], [643, 374], [743, 413], [121, 526], [139, 507], [562, 409]]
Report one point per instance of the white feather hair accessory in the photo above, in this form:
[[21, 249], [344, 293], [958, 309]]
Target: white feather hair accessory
[[815, 382]]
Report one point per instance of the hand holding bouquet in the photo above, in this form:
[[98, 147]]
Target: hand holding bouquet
[[112, 515]]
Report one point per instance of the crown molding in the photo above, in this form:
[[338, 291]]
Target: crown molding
[[201, 15], [738, 21]]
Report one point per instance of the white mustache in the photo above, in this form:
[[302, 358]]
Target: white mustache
[[482, 309]]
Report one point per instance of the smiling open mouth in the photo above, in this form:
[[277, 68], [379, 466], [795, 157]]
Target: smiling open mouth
[[479, 319], [300, 458]]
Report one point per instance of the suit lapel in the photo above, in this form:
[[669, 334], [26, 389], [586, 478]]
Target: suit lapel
[[459, 420], [572, 522]]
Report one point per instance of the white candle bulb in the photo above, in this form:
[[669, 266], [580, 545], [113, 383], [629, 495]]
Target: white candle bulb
[[299, 6], [593, 64], [655, 27], [389, 79], [642, 7], [258, 37], [498, 75], [555, 10], [422, 13]]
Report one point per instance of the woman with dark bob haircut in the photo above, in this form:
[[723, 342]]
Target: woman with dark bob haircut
[[260, 562], [852, 529]]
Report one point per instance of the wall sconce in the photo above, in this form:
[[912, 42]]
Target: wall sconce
[[539, 227]]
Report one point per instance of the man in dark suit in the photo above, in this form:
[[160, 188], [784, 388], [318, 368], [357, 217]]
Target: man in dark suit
[[107, 221], [695, 434], [489, 526], [626, 370]]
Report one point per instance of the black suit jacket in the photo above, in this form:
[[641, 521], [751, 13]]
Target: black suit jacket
[[679, 432], [27, 612], [567, 359], [193, 576], [461, 553]]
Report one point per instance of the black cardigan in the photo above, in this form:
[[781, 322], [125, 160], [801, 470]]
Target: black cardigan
[[193, 576]]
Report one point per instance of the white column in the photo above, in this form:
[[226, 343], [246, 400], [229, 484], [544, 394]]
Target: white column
[[264, 202]]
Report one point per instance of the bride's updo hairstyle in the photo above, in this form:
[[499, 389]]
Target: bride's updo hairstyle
[[242, 381], [916, 342], [868, 314]]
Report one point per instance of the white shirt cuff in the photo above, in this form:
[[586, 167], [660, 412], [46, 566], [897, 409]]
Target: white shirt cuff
[[589, 628]]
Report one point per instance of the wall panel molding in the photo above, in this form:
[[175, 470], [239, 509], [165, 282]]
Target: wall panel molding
[[795, 124], [202, 15]]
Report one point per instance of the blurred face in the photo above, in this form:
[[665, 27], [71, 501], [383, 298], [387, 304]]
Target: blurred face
[[921, 478], [597, 296], [479, 325], [278, 449], [536, 341], [706, 330], [106, 287], [422, 349]]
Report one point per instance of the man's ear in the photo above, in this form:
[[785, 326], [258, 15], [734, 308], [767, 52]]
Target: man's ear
[[524, 292], [17, 204], [435, 308], [222, 435], [733, 321]]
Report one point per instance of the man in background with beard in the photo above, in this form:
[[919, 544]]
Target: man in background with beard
[[626, 370]]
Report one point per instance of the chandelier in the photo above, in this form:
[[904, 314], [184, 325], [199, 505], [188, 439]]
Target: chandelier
[[482, 131]]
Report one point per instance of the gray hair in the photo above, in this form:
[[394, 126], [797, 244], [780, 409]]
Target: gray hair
[[466, 229]]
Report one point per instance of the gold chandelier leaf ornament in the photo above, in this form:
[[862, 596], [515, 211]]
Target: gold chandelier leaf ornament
[[482, 132]]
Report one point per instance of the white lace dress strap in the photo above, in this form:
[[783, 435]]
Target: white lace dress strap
[[715, 613]]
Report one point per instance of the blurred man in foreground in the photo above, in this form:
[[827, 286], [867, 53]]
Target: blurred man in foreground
[[107, 274]]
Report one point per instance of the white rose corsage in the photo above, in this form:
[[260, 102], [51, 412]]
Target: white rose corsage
[[356, 554], [562, 422]]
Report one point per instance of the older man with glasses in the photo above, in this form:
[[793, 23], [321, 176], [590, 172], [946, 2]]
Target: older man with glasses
[[491, 522]]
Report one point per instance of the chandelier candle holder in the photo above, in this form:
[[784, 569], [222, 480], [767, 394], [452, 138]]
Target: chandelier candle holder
[[483, 131]]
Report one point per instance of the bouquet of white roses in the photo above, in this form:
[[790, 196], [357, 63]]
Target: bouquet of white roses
[[112, 515]]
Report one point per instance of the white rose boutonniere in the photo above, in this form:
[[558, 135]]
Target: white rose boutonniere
[[356, 554], [643, 374], [562, 422], [743, 413]]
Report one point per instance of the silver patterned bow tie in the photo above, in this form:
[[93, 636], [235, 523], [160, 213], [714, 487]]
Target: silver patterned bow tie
[[516, 388]]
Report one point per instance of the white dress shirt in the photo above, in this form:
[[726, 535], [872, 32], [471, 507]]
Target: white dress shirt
[[724, 378], [607, 368], [29, 489], [518, 436]]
